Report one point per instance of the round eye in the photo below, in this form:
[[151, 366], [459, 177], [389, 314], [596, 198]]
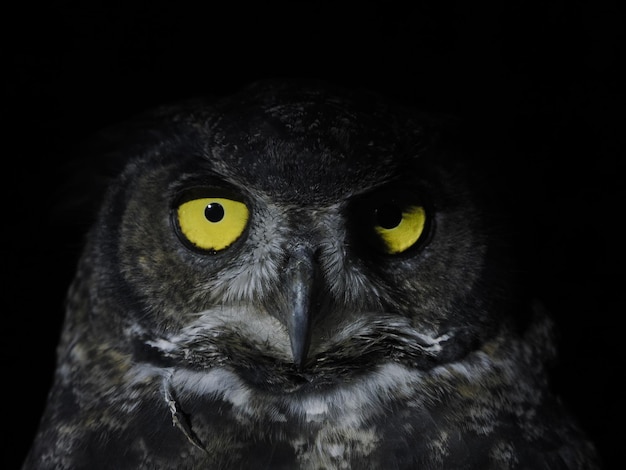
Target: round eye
[[212, 224], [399, 227]]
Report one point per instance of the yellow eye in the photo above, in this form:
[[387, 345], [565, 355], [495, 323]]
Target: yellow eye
[[399, 228], [212, 224]]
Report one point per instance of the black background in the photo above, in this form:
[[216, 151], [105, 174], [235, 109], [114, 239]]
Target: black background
[[539, 78]]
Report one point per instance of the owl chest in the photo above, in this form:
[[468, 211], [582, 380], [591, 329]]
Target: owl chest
[[238, 427], [277, 437]]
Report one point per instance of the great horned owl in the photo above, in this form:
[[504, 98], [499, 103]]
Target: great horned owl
[[300, 277]]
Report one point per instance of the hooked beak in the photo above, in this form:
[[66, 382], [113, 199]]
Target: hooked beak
[[300, 280]]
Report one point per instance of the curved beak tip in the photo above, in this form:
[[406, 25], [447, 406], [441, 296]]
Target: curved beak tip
[[299, 349]]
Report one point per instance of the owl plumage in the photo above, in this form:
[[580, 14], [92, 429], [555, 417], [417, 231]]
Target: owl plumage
[[301, 277]]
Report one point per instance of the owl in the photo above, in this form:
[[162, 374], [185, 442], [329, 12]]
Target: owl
[[300, 276]]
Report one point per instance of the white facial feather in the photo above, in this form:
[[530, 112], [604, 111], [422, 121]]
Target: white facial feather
[[351, 403], [256, 325]]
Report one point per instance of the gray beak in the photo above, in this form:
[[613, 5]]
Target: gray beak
[[300, 276]]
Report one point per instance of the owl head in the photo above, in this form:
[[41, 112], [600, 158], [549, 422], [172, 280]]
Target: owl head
[[296, 235]]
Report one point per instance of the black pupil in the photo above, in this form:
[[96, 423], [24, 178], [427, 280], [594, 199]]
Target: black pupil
[[214, 212], [388, 216]]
